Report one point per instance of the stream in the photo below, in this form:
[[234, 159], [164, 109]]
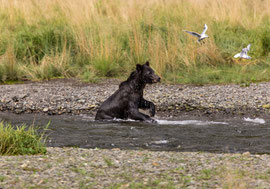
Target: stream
[[235, 135]]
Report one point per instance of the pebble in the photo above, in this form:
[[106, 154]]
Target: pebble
[[246, 154], [71, 96], [77, 167]]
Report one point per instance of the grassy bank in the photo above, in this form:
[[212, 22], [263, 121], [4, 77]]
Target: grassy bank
[[94, 39], [20, 140]]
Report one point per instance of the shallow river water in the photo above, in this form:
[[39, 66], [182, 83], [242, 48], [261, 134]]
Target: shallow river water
[[176, 134]]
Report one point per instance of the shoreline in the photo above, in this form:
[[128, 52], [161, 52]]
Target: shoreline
[[114, 168], [118, 168], [69, 96]]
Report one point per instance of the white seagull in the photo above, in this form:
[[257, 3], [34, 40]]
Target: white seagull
[[243, 53], [199, 36]]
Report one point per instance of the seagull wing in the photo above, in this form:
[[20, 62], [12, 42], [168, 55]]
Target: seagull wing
[[248, 47], [193, 33], [205, 29], [237, 55]]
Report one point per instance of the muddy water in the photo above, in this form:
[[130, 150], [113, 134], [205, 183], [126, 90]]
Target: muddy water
[[177, 134]]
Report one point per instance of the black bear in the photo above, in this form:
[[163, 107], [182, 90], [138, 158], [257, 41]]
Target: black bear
[[127, 100]]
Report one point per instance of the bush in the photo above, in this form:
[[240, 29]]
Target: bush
[[106, 68], [21, 140], [2, 74], [33, 42], [266, 42]]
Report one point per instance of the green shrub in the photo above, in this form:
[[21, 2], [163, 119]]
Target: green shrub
[[33, 42], [2, 74], [106, 68], [266, 42], [21, 140]]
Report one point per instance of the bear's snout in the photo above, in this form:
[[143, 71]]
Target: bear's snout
[[156, 79]]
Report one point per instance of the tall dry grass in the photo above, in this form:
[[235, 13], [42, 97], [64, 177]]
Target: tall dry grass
[[107, 38]]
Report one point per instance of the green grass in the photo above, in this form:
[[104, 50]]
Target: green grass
[[21, 140], [206, 174], [100, 39], [223, 74], [159, 184], [2, 178], [78, 170], [108, 161]]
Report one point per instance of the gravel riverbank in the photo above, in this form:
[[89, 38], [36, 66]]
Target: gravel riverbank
[[96, 168], [73, 97], [114, 168]]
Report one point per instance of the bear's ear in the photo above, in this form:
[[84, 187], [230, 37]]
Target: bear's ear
[[147, 63], [139, 67]]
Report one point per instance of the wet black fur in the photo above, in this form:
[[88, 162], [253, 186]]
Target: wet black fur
[[127, 100]]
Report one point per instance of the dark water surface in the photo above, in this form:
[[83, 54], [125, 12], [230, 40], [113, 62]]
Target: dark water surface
[[229, 135]]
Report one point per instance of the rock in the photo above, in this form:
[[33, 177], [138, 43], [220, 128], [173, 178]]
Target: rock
[[266, 106], [81, 101], [23, 166], [15, 99], [246, 154], [18, 111], [92, 106], [178, 99], [162, 184]]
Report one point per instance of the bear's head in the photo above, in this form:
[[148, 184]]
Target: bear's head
[[148, 75]]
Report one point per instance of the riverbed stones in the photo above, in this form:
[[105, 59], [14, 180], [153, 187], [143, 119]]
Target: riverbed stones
[[114, 168], [74, 97]]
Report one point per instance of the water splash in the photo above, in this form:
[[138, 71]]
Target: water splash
[[189, 122], [160, 142], [256, 120]]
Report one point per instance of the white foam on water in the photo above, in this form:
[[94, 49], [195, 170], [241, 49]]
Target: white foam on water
[[189, 122], [160, 142], [166, 122], [256, 120]]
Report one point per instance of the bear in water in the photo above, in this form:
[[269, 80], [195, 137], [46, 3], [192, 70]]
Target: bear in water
[[127, 100]]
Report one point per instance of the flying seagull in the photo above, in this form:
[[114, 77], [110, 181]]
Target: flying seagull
[[199, 36], [243, 53]]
